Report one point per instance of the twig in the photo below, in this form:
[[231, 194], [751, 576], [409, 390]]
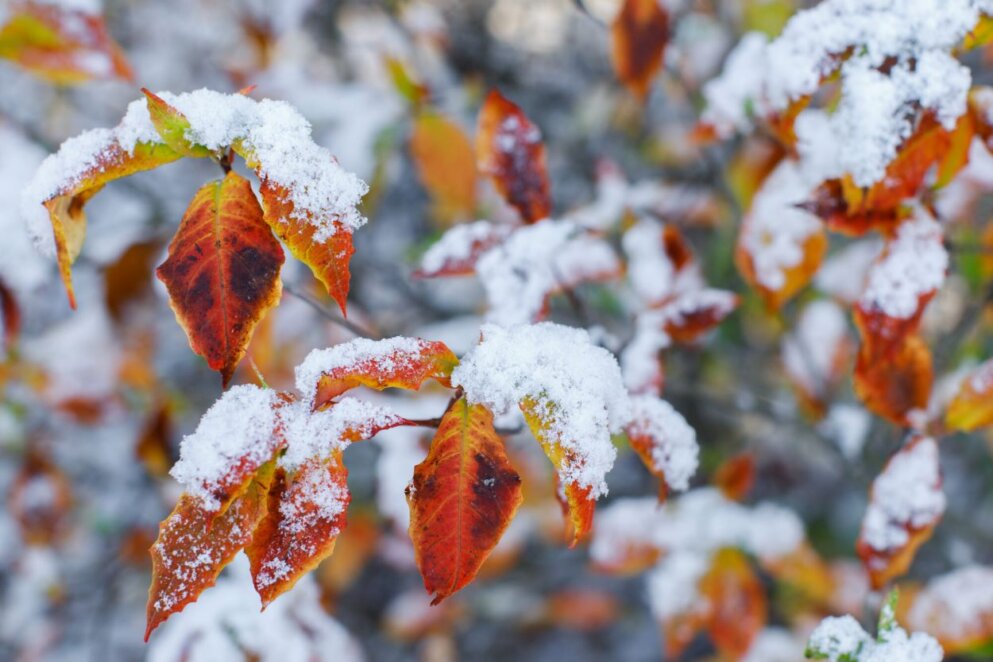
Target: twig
[[328, 315]]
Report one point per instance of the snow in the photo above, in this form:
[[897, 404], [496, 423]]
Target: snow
[[672, 584], [810, 352], [774, 644], [576, 386], [238, 429], [674, 449], [319, 434], [536, 261], [775, 230], [20, 266], [651, 271], [842, 639], [913, 265], [956, 604], [701, 521], [461, 245], [981, 379], [271, 133], [843, 275], [876, 111], [227, 623], [906, 494], [82, 6], [385, 356], [848, 425]]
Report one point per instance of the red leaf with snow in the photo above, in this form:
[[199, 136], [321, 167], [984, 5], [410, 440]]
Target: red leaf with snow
[[194, 545], [458, 250], [905, 504], [306, 512], [510, 151], [664, 441], [690, 315], [393, 363]]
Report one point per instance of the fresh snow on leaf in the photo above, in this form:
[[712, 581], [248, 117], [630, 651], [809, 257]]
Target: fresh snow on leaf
[[537, 261], [955, 605], [674, 449], [913, 265], [240, 428], [320, 433], [906, 494], [275, 135], [843, 275], [842, 639], [857, 37], [576, 384], [461, 246]]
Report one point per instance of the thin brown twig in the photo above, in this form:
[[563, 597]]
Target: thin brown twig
[[329, 315]]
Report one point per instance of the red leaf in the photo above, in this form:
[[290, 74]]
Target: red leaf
[[194, 545], [222, 272], [509, 150], [462, 497], [737, 600], [306, 512]]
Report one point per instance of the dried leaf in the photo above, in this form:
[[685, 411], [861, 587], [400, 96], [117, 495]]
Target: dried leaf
[[510, 151], [462, 498], [222, 272], [639, 35]]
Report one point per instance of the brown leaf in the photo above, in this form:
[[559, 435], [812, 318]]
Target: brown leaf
[[222, 272], [639, 34], [462, 497]]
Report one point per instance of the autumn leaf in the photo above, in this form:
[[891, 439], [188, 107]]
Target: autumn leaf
[[460, 248], [893, 385], [306, 512], [404, 83], [795, 277], [327, 258], [194, 545], [462, 498], [65, 208], [394, 363], [972, 406], [736, 476], [446, 165], [664, 441], [222, 272], [691, 314], [510, 151], [39, 499], [905, 503], [804, 570], [63, 45], [10, 316], [737, 600], [639, 35], [576, 500]]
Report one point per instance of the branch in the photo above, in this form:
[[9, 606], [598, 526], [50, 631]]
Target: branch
[[330, 316]]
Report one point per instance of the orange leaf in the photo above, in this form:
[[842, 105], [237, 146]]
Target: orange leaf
[[509, 150], [738, 602], [65, 208], [893, 385], [328, 259], [380, 364], [956, 156], [576, 500], [805, 570], [639, 32], [222, 272], [61, 45], [938, 609], [459, 249], [795, 277], [905, 504], [972, 407], [664, 441], [194, 545], [446, 165], [39, 499], [306, 513], [736, 476], [462, 497], [10, 316]]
